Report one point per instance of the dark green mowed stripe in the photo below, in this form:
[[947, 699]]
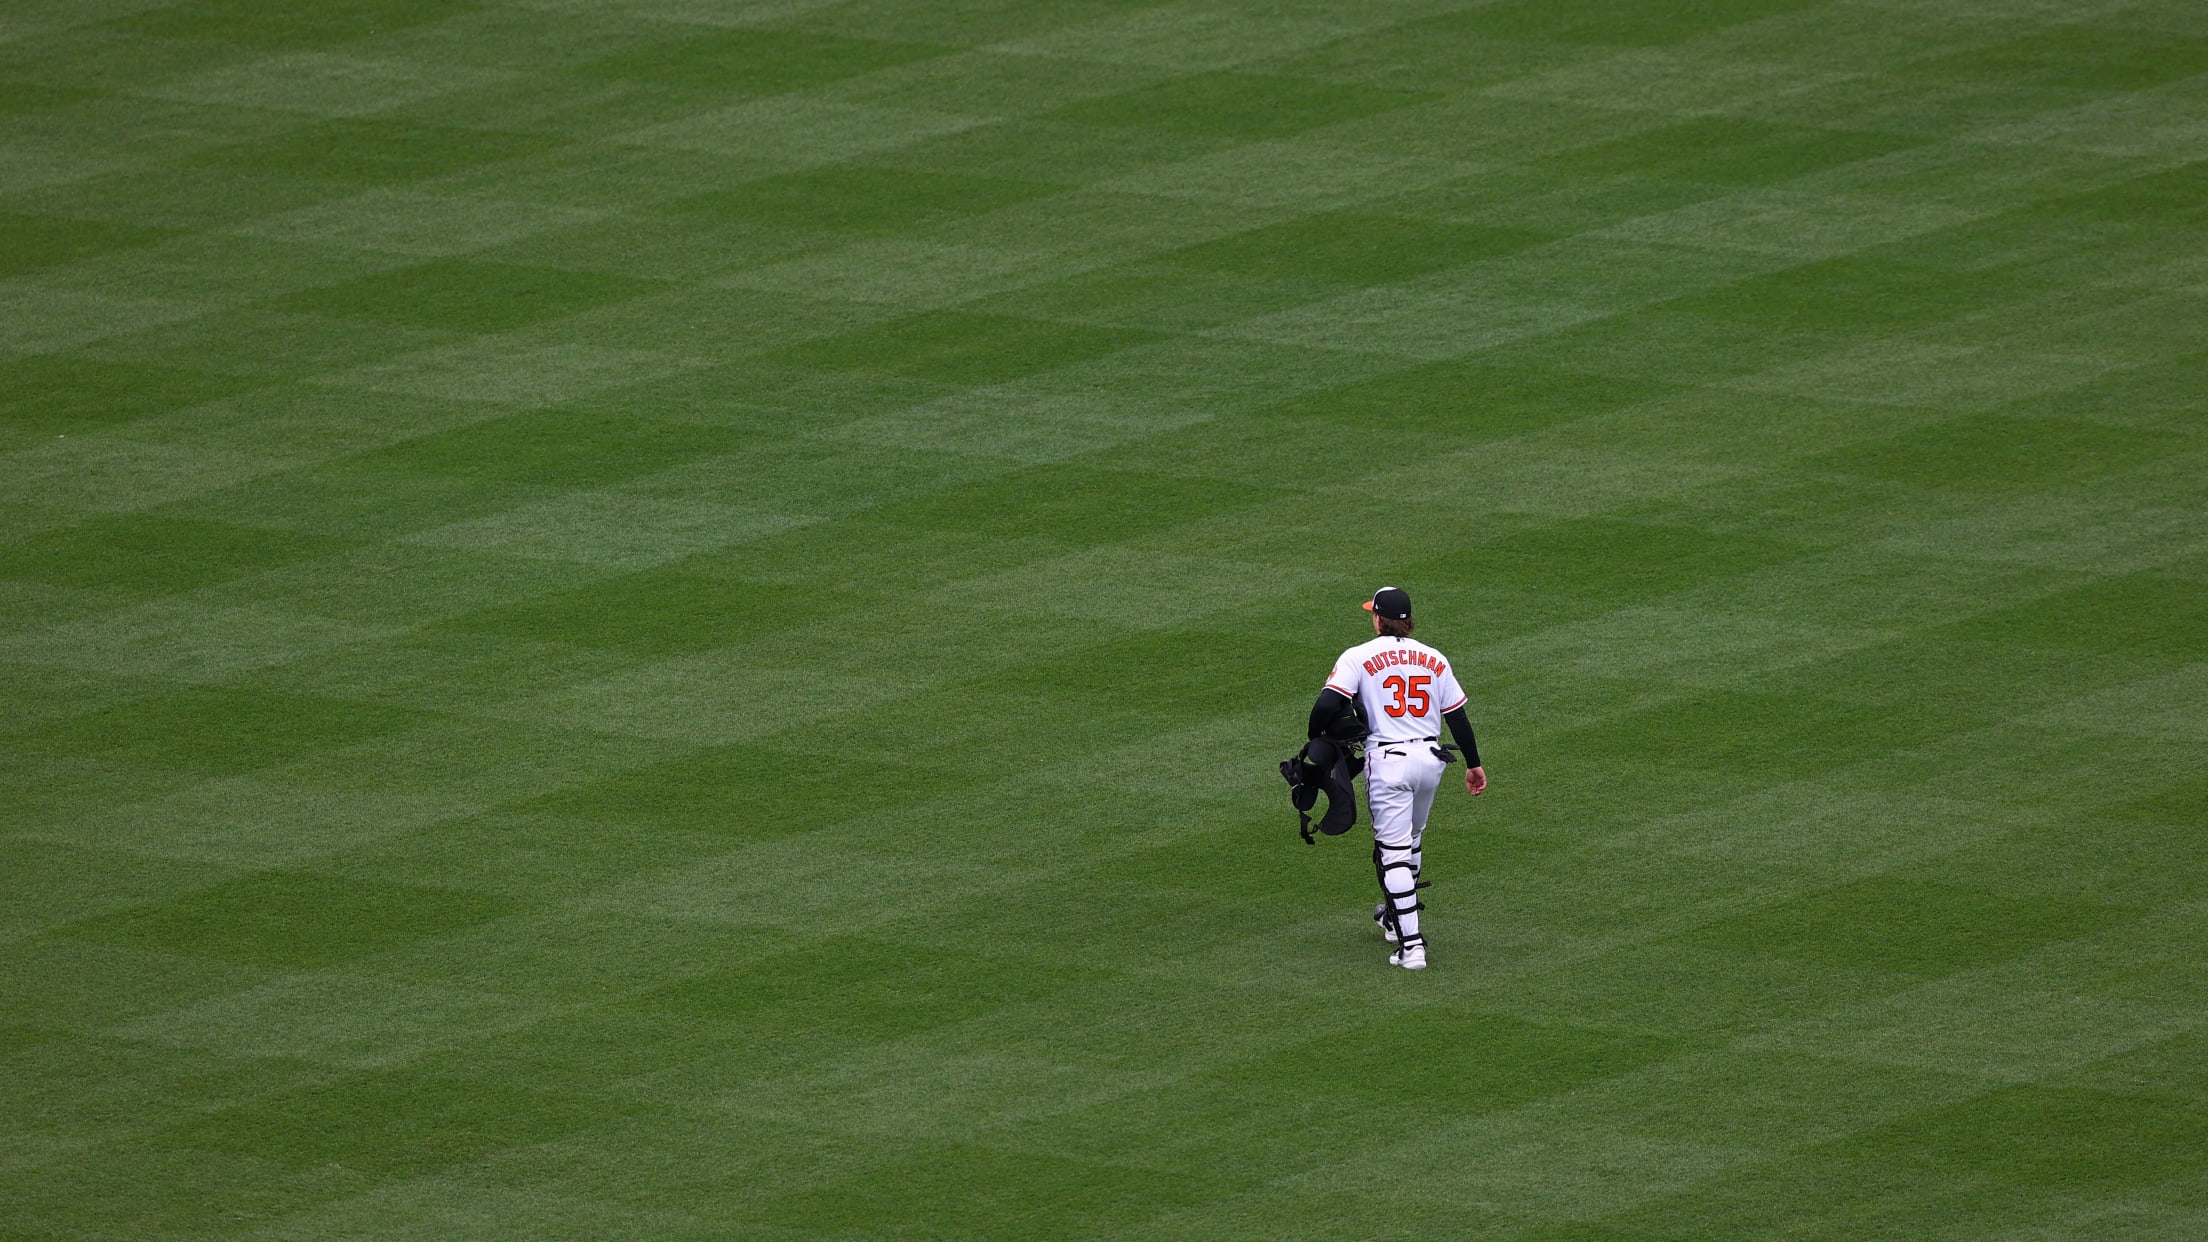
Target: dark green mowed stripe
[[2186, 802], [2080, 57], [1967, 674], [1161, 294], [2178, 197], [30, 242], [758, 60], [1730, 739], [376, 151], [1996, 453], [583, 1051], [470, 295], [2066, 1138], [146, 554], [218, 729], [1865, 295], [1618, 560], [861, 199], [659, 610], [38, 790], [295, 919], [759, 792], [19, 96], [273, 23], [959, 347], [1355, 248], [958, 1190], [57, 394], [1238, 105], [1895, 924], [559, 447], [1187, 868], [1475, 1062], [2137, 852], [871, 989], [1060, 151], [1470, 399], [49, 883], [1672, 344], [1619, 22], [388, 1125], [1079, 505], [1185, 670], [2147, 614], [1734, 151]]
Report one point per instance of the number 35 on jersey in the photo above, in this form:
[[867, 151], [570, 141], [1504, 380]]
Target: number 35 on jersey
[[1403, 685]]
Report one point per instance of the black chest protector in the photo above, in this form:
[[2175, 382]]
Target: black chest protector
[[1327, 764]]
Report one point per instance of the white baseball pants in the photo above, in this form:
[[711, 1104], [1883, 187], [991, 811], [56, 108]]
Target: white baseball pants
[[1400, 781]]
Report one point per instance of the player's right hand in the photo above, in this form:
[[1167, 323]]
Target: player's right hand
[[1475, 781]]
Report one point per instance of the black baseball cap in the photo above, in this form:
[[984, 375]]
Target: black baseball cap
[[1394, 602]]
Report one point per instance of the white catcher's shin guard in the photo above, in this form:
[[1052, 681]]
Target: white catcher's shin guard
[[1399, 884], [1380, 911]]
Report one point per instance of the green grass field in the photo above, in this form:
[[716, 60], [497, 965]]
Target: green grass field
[[673, 619]]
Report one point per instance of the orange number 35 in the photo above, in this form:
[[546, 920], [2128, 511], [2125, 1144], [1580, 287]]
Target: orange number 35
[[1407, 694]]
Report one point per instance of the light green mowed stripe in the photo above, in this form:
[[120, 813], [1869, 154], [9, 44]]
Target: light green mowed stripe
[[616, 626]]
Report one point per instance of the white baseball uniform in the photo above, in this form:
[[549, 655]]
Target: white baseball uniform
[[1404, 686]]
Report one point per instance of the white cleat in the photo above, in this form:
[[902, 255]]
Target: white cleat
[[1380, 916], [1413, 958]]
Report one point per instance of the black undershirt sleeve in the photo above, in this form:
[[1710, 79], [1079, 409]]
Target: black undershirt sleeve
[[1460, 731], [1331, 703]]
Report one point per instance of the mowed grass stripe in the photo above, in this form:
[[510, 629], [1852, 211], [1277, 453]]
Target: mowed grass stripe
[[738, 692]]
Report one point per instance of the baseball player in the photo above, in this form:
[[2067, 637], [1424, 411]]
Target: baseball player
[[1406, 689]]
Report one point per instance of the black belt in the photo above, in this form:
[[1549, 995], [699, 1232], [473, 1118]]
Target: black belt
[[1447, 754]]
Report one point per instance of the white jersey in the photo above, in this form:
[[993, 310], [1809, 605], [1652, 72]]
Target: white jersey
[[1403, 685]]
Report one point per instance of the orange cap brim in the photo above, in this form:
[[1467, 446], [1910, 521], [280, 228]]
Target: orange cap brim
[[1368, 605]]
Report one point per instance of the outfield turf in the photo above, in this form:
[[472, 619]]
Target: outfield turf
[[672, 619]]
